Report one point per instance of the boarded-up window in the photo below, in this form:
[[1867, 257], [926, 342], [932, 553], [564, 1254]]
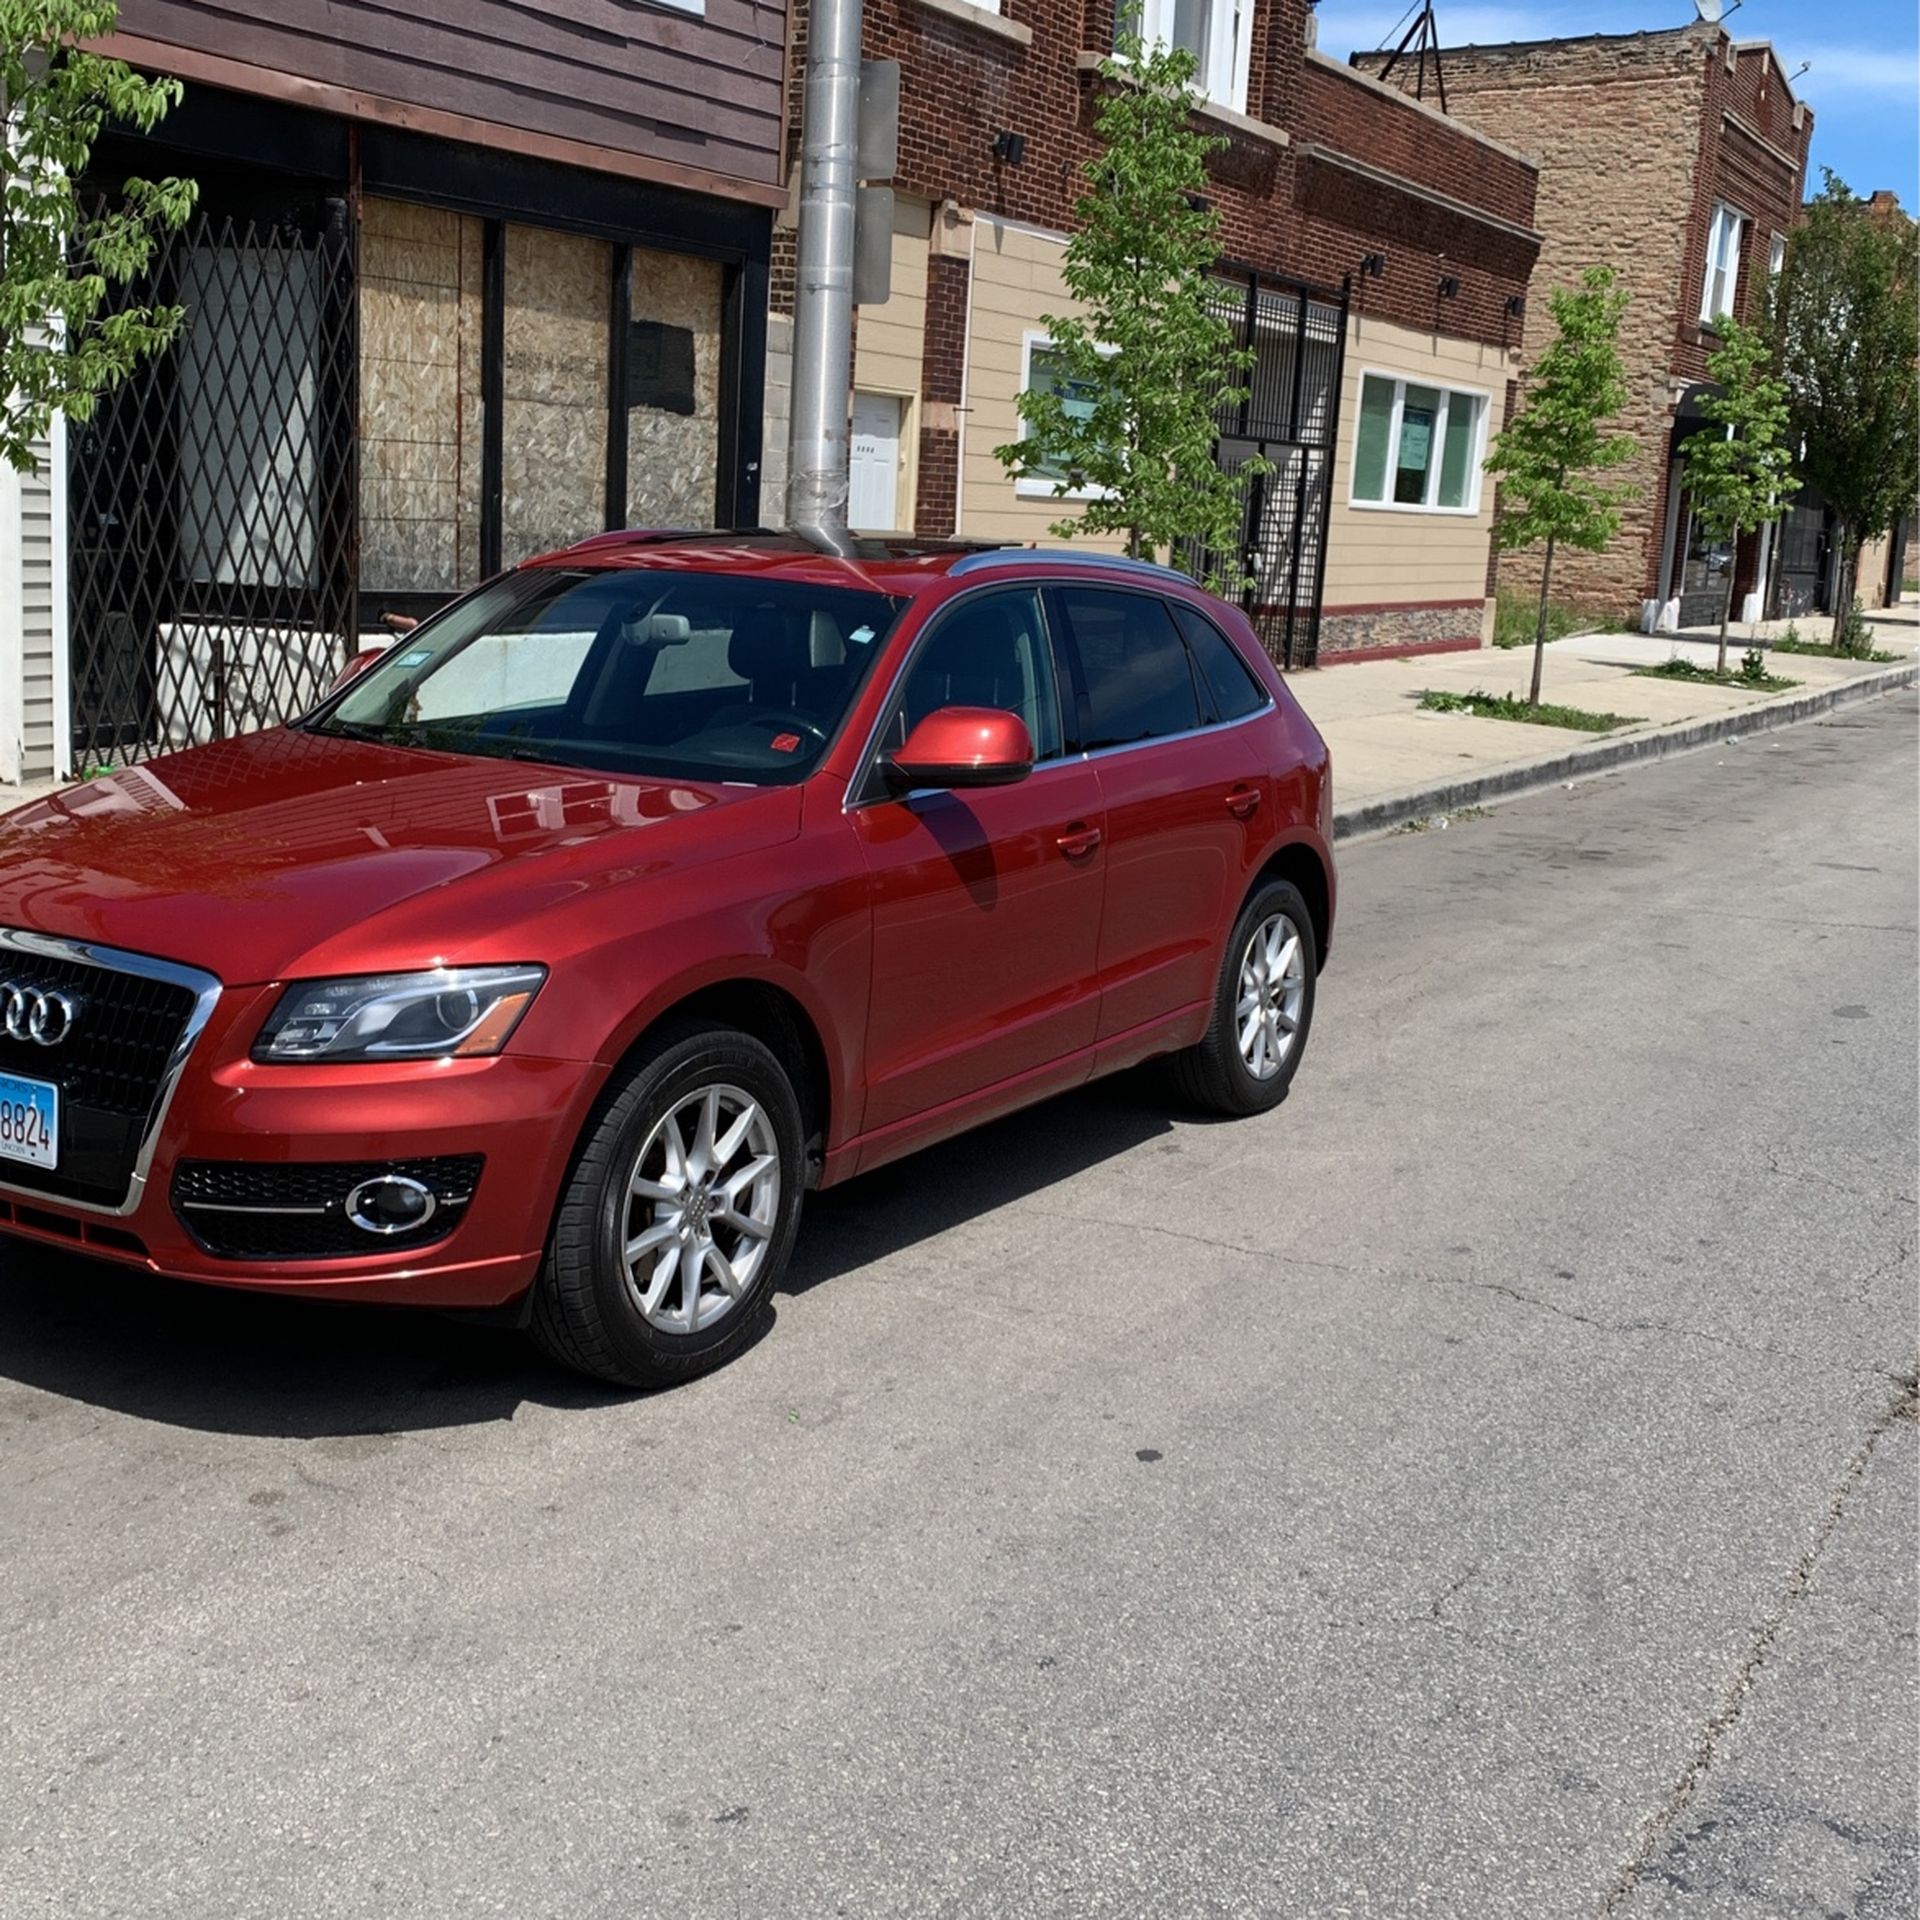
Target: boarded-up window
[[673, 390], [553, 469]]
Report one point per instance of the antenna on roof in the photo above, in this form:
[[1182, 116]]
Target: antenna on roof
[[1422, 39], [1714, 11]]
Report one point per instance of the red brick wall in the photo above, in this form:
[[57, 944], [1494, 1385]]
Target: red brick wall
[[1282, 210]]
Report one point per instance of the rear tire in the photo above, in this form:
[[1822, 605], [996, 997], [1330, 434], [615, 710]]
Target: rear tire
[[1262, 1008], [678, 1218]]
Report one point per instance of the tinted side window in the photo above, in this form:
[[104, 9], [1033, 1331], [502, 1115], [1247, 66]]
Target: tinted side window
[[1236, 693], [990, 651], [1139, 684]]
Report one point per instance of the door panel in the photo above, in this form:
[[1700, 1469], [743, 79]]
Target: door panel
[[873, 477], [985, 932], [986, 903], [1179, 853], [1184, 802]]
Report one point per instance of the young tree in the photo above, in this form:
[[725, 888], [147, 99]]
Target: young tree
[[62, 341], [1739, 478], [1128, 411], [1550, 453], [1847, 338]]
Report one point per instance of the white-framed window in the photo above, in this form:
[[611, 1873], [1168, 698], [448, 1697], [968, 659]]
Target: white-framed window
[[1724, 240], [1040, 368], [1217, 33], [1418, 449], [1776, 254]]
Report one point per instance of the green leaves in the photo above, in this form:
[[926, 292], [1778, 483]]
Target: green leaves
[[63, 338], [1135, 382], [1551, 453], [1739, 478], [1845, 317]]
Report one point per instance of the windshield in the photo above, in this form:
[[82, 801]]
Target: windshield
[[685, 675]]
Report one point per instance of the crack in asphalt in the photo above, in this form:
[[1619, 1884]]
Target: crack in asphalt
[[1660, 1824]]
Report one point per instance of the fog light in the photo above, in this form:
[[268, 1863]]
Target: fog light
[[391, 1203]]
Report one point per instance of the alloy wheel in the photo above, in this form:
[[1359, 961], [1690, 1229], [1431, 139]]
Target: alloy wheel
[[1273, 990], [703, 1198]]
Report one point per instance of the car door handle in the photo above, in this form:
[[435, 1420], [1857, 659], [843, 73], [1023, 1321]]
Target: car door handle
[[1077, 841], [1243, 802]]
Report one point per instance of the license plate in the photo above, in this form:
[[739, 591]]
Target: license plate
[[29, 1121]]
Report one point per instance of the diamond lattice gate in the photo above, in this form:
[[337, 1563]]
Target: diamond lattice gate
[[1288, 424], [212, 497]]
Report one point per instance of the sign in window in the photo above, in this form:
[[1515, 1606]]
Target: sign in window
[[1417, 446]]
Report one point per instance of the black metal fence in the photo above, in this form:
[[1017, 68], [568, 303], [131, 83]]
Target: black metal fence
[[1288, 423], [212, 497]]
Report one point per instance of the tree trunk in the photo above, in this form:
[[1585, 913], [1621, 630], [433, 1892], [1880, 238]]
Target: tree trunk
[[1726, 614], [1845, 583], [1540, 629]]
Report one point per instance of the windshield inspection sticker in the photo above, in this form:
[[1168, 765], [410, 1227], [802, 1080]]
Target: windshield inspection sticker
[[417, 658], [860, 636]]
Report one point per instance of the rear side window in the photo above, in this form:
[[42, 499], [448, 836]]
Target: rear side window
[[1139, 684], [1236, 693]]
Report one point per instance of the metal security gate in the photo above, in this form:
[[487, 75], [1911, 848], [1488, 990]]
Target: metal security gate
[[212, 497], [1289, 420]]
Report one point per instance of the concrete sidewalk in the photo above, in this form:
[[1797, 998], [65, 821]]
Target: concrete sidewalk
[[1392, 762]]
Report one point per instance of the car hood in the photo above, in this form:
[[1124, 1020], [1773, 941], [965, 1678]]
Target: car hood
[[254, 855]]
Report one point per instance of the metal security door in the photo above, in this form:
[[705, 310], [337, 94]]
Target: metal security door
[[1289, 420], [212, 496]]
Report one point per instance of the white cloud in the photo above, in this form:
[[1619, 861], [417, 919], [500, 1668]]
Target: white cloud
[[1856, 71]]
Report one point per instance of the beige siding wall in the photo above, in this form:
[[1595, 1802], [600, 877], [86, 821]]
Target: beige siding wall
[[39, 626], [1401, 556], [1016, 279], [890, 341]]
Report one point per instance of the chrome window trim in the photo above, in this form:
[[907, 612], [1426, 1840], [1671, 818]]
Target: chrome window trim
[[206, 991], [850, 803], [863, 767]]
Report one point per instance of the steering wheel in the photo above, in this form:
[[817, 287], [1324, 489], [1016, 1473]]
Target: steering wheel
[[781, 718]]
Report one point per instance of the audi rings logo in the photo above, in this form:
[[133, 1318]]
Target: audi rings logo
[[39, 1014]]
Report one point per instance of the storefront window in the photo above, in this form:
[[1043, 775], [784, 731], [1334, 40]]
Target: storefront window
[[673, 390], [419, 398], [553, 468]]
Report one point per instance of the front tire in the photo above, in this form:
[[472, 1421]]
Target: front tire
[[1262, 1008], [679, 1216]]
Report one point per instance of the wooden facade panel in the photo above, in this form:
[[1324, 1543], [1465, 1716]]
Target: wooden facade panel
[[640, 81]]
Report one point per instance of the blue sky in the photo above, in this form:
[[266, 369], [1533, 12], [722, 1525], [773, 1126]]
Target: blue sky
[[1863, 86]]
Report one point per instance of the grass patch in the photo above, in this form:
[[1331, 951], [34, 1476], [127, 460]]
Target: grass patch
[[1752, 675], [1510, 706], [1516, 615], [1821, 650]]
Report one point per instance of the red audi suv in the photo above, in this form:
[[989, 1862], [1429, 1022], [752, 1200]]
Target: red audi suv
[[554, 957]]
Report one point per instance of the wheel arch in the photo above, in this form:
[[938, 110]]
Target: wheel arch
[[775, 1016], [1304, 866]]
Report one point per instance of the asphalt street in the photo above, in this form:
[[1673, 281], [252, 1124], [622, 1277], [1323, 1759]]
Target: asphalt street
[[1484, 1487]]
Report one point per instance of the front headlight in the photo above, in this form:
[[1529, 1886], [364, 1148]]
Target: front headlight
[[399, 1016]]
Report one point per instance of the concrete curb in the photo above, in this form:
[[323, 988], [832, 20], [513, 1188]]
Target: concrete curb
[[1520, 776]]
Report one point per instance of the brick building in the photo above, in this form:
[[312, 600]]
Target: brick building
[[464, 283], [1678, 159], [1379, 257]]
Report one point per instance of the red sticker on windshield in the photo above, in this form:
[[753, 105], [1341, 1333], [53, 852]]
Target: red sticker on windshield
[[785, 742]]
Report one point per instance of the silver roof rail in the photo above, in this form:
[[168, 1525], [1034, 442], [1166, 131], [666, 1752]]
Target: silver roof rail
[[1026, 556]]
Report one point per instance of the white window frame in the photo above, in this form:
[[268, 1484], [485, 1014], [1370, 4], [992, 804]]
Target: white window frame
[[1483, 407], [1726, 240], [1776, 255], [1032, 486], [1223, 79]]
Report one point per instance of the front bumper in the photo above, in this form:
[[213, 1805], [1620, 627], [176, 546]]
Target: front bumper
[[521, 1113]]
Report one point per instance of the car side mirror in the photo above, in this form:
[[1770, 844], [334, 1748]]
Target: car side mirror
[[963, 747]]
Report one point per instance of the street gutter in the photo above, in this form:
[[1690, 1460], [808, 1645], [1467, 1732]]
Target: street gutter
[[1599, 756]]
